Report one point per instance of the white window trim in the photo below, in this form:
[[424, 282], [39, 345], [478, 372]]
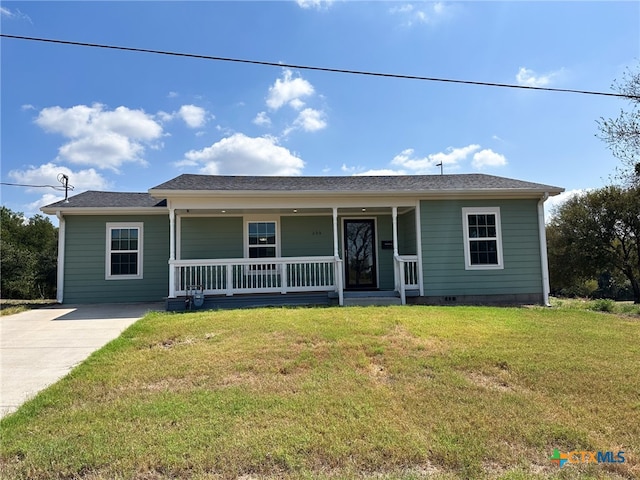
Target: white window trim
[[261, 218], [107, 266], [465, 227]]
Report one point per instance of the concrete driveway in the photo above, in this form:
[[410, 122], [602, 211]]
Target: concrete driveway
[[39, 347]]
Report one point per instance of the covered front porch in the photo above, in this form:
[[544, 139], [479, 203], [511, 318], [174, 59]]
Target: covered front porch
[[293, 255]]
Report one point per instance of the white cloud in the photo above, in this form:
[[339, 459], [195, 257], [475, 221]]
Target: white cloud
[[317, 4], [164, 116], [262, 119], [14, 15], [104, 150], [47, 174], [46, 199], [98, 137], [310, 120], [488, 158], [242, 155], [553, 203], [296, 104], [407, 8], [172, 94], [529, 78], [193, 116], [425, 13], [27, 106], [288, 90], [452, 157]]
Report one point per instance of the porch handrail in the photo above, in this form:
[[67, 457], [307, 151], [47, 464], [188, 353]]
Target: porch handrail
[[250, 261], [229, 276], [406, 274]]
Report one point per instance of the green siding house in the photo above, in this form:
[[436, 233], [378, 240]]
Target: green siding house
[[224, 241]]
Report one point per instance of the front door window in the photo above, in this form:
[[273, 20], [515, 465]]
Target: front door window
[[360, 257]]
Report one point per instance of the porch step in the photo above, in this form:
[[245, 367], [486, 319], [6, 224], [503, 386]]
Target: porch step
[[364, 299]]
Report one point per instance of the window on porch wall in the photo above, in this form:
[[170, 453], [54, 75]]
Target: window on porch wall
[[262, 242]]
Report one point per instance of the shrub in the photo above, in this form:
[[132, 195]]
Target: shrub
[[603, 305]]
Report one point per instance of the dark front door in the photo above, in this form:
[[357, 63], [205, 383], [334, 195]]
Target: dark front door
[[360, 254]]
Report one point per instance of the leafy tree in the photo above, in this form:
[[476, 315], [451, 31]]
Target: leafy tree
[[622, 134], [594, 234], [28, 256]]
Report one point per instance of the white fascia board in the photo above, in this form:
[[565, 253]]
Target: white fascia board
[[105, 210], [283, 200]]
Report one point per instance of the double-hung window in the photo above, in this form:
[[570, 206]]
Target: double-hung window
[[262, 239], [124, 251], [482, 238]]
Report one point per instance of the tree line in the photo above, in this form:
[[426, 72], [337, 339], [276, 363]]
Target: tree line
[[593, 239], [28, 256]]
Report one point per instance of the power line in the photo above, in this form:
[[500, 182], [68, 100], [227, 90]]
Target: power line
[[320, 69], [63, 187]]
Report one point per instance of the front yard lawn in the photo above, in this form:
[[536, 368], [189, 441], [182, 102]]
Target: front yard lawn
[[376, 392]]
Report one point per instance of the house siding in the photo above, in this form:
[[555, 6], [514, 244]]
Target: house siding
[[443, 251], [85, 251], [385, 256], [304, 236], [211, 237], [407, 233]]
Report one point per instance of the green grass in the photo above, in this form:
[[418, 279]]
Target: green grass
[[378, 392], [598, 305]]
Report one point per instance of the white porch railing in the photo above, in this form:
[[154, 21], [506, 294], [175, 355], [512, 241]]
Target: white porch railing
[[232, 276], [256, 275], [406, 274]]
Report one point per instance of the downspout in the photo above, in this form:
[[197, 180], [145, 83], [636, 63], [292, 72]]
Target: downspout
[[419, 248], [543, 250], [60, 266]]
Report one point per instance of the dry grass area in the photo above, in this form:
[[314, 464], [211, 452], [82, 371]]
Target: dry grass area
[[378, 392], [11, 307]]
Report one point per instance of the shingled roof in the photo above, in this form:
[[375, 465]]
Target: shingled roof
[[94, 199], [388, 183]]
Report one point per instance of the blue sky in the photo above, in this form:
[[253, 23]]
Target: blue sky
[[124, 121]]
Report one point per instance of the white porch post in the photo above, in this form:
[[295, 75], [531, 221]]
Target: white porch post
[[394, 216], [336, 256], [172, 252], [61, 245], [419, 248], [398, 272]]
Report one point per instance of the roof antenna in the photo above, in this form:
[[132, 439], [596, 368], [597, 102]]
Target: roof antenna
[[64, 180], [440, 165]]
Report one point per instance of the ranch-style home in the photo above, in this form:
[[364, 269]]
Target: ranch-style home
[[218, 241]]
